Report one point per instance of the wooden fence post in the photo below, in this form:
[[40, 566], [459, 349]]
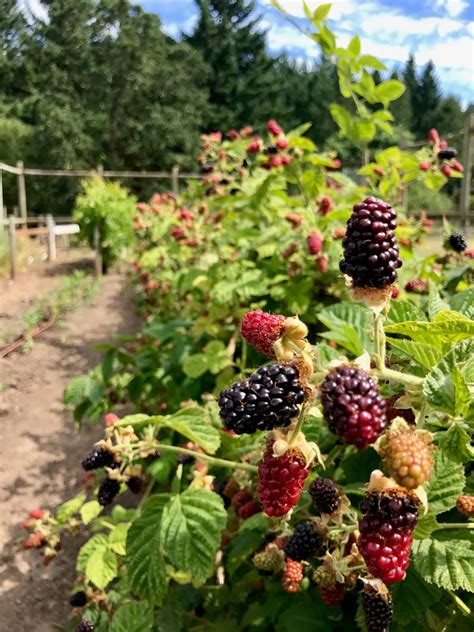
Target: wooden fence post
[[22, 190], [98, 253], [50, 223], [100, 171], [175, 180], [467, 151], [11, 245]]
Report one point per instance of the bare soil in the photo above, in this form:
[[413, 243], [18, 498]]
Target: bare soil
[[40, 450]]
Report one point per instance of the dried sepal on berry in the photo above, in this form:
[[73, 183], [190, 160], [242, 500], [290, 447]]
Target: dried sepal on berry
[[271, 559]]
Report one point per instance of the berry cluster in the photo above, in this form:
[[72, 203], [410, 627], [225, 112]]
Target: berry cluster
[[98, 457], [85, 626], [371, 256], [457, 242], [262, 329], [385, 532], [266, 400], [325, 494], [281, 480], [352, 405], [293, 575], [109, 488], [304, 543]]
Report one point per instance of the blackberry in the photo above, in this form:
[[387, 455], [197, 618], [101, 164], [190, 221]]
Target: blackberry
[[371, 256], [266, 400], [185, 459], [271, 150], [332, 595], [219, 488], [304, 543], [98, 457], [85, 626], [109, 488], [78, 599], [447, 154], [325, 494], [352, 405], [457, 242], [378, 610]]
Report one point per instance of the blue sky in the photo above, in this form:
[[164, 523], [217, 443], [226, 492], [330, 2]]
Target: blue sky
[[441, 30]]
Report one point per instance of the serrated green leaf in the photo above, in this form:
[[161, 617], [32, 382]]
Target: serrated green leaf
[[257, 522], [462, 396], [411, 596], [424, 354], [435, 303], [425, 527], [70, 507], [191, 531], [447, 329], [445, 485], [193, 423], [403, 311], [133, 616], [389, 90], [464, 302], [456, 444], [118, 538], [195, 365], [350, 324], [77, 390], [446, 559], [97, 541], [342, 117], [144, 561], [354, 45], [89, 511], [101, 567]]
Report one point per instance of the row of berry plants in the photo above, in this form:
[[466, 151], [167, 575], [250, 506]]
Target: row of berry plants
[[327, 489]]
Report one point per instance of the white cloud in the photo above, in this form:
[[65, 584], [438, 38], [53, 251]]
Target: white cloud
[[174, 29], [452, 7], [33, 8]]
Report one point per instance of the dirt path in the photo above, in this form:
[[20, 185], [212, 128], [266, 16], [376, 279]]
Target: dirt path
[[40, 454]]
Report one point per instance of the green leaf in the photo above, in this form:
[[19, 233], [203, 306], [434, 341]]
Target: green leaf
[[243, 545], [133, 616], [191, 531], [424, 354], [444, 386], [435, 302], [372, 62], [446, 560], [89, 511], [350, 324], [77, 390], [456, 444], [464, 302], [411, 596], [257, 522], [389, 90], [118, 538], [425, 527], [195, 365], [446, 484], [193, 423], [354, 46], [145, 563], [342, 117], [447, 329], [402, 311], [434, 180], [321, 12], [70, 507], [365, 130], [97, 541], [101, 567]]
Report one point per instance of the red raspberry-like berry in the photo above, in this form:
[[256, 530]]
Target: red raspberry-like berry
[[446, 170], [322, 264], [34, 541], [232, 134], [286, 160], [275, 161], [395, 292], [371, 256], [332, 595], [335, 166], [240, 498], [282, 143], [281, 480], [352, 405], [465, 504], [249, 509], [417, 286], [262, 330], [424, 166], [379, 171], [37, 514], [294, 219], [443, 144], [255, 146], [406, 455], [290, 251], [273, 128], [293, 575], [433, 136], [340, 232], [385, 532], [186, 214], [469, 254], [457, 166], [178, 233], [246, 131], [325, 205], [110, 419], [315, 243]]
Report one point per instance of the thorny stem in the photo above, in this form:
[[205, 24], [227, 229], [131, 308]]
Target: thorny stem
[[403, 378], [460, 603], [201, 456]]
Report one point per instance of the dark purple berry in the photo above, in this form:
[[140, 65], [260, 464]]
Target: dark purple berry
[[99, 457], [304, 543], [78, 599], [184, 459], [378, 610], [267, 399], [136, 484], [447, 154], [325, 494], [352, 406], [371, 256], [109, 488], [85, 626], [457, 242]]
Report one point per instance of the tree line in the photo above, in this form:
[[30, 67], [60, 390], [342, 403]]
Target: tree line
[[99, 82]]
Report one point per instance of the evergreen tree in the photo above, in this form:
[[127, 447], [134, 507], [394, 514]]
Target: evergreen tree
[[412, 85], [402, 107], [429, 101]]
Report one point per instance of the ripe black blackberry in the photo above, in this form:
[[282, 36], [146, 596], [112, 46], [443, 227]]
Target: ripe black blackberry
[[304, 543], [378, 610], [447, 154], [266, 400], [457, 242], [85, 626], [109, 488], [78, 599], [325, 494], [352, 405], [98, 457], [219, 488], [371, 256], [271, 150], [184, 459]]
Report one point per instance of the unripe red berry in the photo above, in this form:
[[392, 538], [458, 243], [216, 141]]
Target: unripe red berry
[[443, 144], [332, 595], [379, 171], [294, 219], [325, 205], [433, 136], [395, 292], [37, 514], [465, 504], [275, 161], [186, 214], [110, 419], [457, 166], [273, 128], [249, 509], [293, 575], [406, 455], [33, 541], [286, 160], [315, 243], [255, 146], [446, 170], [417, 286], [215, 136], [322, 263], [290, 251], [262, 330], [424, 166], [178, 233], [246, 131], [232, 134], [282, 143]]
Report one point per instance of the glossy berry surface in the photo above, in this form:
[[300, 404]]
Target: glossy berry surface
[[78, 599], [378, 611], [262, 329], [109, 488], [281, 480], [85, 626], [447, 154], [352, 406], [417, 286], [98, 457], [407, 458], [248, 509], [325, 495], [332, 595], [304, 543], [292, 576], [371, 256], [457, 242], [266, 400], [385, 533]]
